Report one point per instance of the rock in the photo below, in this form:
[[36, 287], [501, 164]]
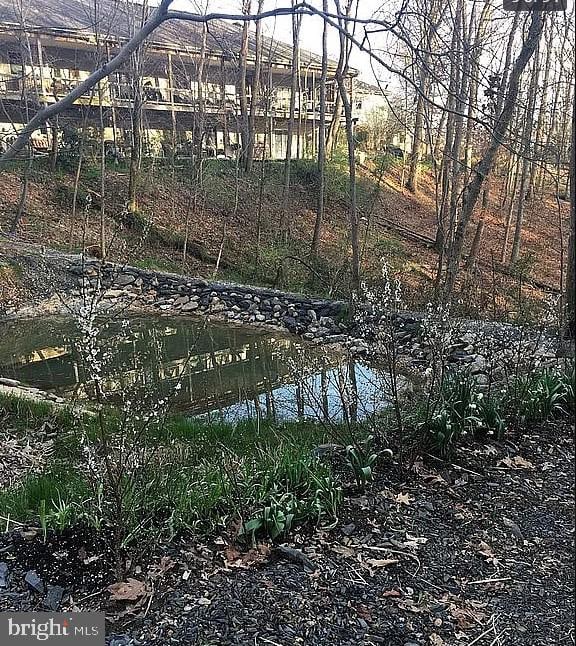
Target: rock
[[34, 582], [260, 318], [54, 597], [478, 365], [121, 640], [4, 575], [191, 305], [124, 279], [218, 307], [28, 534], [290, 322], [181, 300], [9, 382], [336, 338], [296, 556], [461, 356], [114, 293], [348, 530]]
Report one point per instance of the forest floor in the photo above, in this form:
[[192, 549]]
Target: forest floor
[[475, 551], [224, 216]]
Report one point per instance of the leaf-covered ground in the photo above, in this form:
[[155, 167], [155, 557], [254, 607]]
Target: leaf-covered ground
[[478, 551]]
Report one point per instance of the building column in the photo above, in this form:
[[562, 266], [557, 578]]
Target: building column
[[172, 108]]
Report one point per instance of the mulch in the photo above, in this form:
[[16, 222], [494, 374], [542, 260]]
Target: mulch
[[476, 551]]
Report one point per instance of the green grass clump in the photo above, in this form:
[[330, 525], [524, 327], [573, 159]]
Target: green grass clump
[[196, 474]]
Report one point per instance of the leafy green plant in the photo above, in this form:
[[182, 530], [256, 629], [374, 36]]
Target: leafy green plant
[[440, 434], [456, 414], [327, 498], [543, 395], [362, 464], [61, 513], [275, 518], [491, 418]]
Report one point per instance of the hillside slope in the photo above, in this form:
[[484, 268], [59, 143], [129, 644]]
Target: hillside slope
[[186, 225]]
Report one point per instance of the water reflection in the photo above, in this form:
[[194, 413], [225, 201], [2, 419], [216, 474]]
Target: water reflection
[[224, 371]]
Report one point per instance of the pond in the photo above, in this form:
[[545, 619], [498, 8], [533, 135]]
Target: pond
[[205, 369]]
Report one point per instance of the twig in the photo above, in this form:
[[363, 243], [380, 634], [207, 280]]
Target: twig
[[504, 578], [401, 552], [149, 603], [89, 596], [497, 638], [486, 632]]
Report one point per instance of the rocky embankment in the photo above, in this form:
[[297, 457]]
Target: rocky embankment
[[481, 346], [62, 281]]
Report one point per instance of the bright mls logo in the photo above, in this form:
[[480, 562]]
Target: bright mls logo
[[75, 629], [535, 5]]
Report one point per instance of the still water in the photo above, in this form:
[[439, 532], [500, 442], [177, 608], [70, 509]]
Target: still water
[[205, 369]]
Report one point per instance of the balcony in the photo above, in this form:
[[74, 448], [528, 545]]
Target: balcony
[[121, 94]]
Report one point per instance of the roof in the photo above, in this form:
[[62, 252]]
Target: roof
[[115, 18], [367, 88]]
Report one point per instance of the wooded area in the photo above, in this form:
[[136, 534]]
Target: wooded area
[[488, 104]]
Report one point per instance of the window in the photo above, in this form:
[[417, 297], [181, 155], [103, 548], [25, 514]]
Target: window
[[15, 59]]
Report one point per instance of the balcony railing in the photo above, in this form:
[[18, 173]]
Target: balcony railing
[[53, 89]]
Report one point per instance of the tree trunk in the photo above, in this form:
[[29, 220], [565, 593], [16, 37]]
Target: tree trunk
[[352, 211], [244, 116], [321, 139], [570, 296], [424, 73], [255, 94], [296, 21], [473, 188], [527, 154]]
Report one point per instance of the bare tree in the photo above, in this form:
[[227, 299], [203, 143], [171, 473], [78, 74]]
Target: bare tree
[[321, 138], [473, 188]]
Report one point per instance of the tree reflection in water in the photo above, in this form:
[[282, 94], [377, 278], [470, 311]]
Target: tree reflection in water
[[226, 372]]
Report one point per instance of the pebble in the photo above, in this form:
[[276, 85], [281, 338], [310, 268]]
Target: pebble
[[54, 597], [4, 575], [34, 581]]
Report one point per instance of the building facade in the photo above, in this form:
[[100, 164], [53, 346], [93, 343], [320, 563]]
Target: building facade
[[185, 80]]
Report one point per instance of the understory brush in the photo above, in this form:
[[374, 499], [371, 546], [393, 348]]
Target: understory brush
[[254, 477]]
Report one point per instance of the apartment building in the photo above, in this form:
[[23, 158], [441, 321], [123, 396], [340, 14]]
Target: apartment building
[[188, 78]]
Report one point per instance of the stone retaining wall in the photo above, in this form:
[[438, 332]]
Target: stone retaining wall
[[472, 343], [309, 317]]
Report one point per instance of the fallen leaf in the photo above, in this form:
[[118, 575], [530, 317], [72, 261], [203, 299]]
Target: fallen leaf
[[467, 618], [130, 590], [485, 550], [517, 462], [391, 593], [403, 499], [436, 640], [341, 549], [235, 559], [414, 541], [381, 562]]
